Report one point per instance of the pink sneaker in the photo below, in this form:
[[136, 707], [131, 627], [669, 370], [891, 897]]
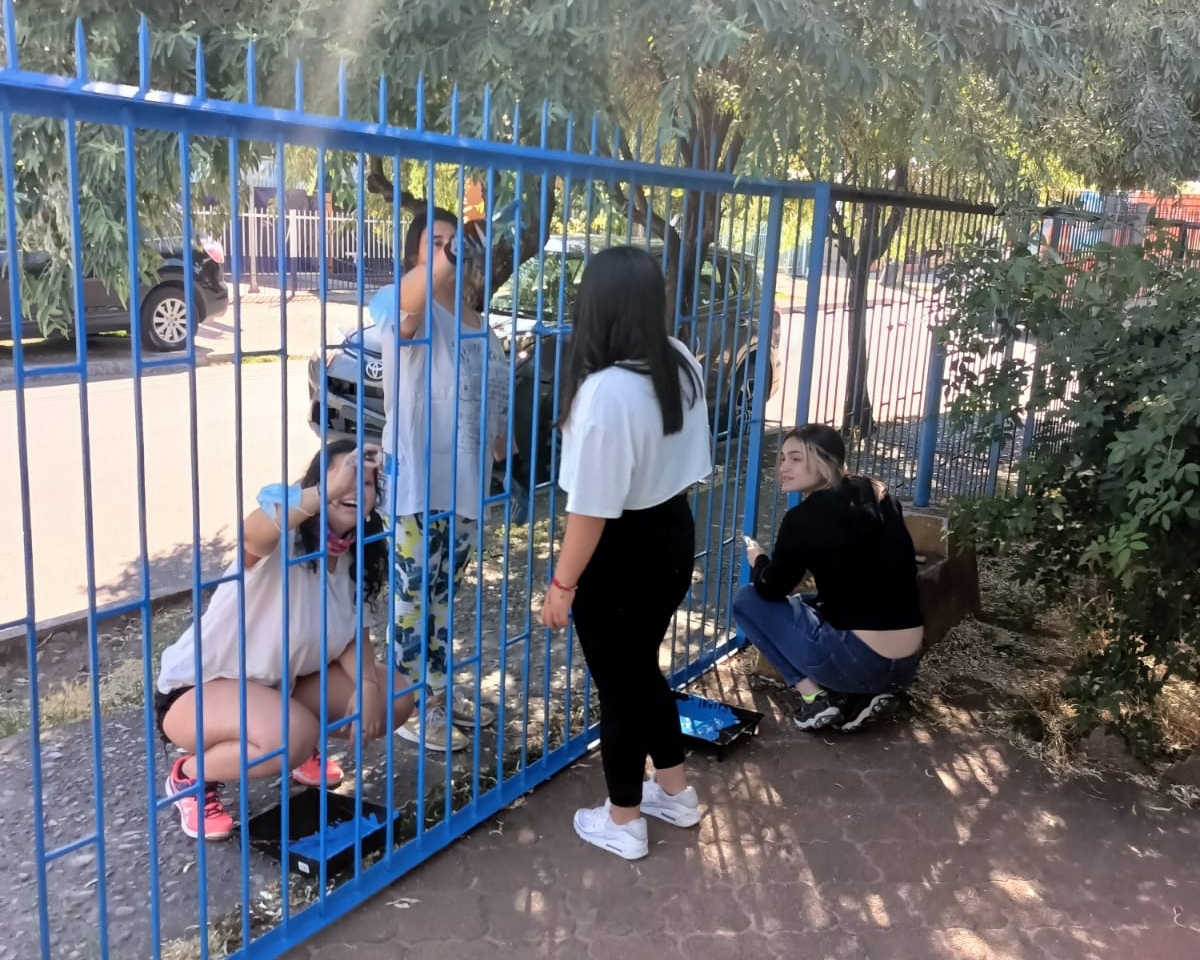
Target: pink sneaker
[[309, 772], [217, 823]]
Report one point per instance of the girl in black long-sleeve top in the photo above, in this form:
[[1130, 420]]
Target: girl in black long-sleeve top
[[848, 651]]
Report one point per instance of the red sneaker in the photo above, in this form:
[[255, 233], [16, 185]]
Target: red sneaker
[[217, 824], [309, 772]]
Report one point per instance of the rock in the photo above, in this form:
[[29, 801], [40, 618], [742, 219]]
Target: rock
[[1106, 748], [1186, 772]]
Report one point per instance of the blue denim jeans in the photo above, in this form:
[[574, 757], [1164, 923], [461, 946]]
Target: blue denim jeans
[[799, 644]]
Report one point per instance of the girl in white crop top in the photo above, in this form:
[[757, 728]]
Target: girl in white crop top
[[287, 524]]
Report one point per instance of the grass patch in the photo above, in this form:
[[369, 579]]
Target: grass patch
[[121, 684]]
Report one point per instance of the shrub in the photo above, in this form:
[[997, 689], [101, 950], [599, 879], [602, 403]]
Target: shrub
[[1105, 353]]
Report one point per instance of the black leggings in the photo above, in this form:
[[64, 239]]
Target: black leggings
[[630, 590]]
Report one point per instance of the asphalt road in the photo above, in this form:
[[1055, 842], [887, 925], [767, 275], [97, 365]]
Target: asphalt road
[[176, 481]]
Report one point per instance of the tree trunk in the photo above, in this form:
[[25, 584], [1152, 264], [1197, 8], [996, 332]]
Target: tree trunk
[[874, 237], [856, 411]]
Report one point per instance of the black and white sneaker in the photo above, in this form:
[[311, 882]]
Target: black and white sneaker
[[819, 712], [860, 710]]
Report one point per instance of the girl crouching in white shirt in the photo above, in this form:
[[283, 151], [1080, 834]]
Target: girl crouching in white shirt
[[296, 510], [635, 438]]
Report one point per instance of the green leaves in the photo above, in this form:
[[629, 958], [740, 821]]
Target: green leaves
[[1110, 514]]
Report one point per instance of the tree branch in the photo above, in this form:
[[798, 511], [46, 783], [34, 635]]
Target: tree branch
[[379, 184]]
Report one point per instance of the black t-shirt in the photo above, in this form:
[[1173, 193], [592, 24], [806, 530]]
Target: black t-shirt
[[862, 560]]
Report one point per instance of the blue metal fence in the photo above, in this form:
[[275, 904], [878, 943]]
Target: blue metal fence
[[233, 429], [771, 336]]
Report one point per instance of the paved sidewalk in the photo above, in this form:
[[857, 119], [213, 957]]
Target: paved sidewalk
[[908, 843]]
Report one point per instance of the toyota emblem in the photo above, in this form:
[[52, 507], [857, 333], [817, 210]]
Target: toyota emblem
[[374, 370]]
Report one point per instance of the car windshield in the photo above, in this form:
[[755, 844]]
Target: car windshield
[[532, 280]]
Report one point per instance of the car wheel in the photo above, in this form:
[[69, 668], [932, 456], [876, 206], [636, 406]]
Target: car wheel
[[164, 319], [743, 397]]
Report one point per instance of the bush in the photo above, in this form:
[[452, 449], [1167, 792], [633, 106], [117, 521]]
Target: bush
[[1105, 353]]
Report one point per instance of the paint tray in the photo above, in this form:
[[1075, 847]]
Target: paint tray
[[713, 725], [304, 829]]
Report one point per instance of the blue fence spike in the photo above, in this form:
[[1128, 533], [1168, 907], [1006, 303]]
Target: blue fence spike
[[486, 132], [383, 96], [251, 74], [342, 97], [516, 122], [454, 111], [143, 53], [81, 71], [298, 87], [201, 71], [595, 138], [11, 59], [421, 101]]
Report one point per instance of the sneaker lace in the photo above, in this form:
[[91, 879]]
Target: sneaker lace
[[435, 716], [212, 800]]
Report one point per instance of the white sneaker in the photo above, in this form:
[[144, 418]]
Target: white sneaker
[[436, 730], [466, 711], [681, 810], [626, 840]]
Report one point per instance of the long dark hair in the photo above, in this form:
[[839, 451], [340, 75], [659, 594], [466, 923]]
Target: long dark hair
[[375, 553], [412, 239], [828, 449], [621, 320]]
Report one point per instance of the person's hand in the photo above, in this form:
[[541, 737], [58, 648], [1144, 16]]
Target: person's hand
[[754, 550], [372, 708], [468, 244], [556, 607], [343, 479]]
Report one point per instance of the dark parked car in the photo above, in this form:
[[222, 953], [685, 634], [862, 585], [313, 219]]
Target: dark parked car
[[163, 307], [723, 319]]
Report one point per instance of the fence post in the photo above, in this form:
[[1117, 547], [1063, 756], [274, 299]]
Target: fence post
[[812, 307], [766, 319], [252, 230], [927, 444]]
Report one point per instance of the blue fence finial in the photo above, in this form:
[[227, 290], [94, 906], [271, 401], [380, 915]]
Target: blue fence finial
[[81, 70], [516, 122], [486, 132], [10, 36], [420, 101], [251, 74], [298, 87], [454, 111], [201, 71], [143, 53], [544, 133], [343, 99], [595, 138], [383, 110]]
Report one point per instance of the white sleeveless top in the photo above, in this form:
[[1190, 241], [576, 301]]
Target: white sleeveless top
[[220, 635], [412, 405]]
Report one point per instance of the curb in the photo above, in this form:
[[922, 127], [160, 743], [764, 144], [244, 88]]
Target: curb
[[12, 640], [112, 369]]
